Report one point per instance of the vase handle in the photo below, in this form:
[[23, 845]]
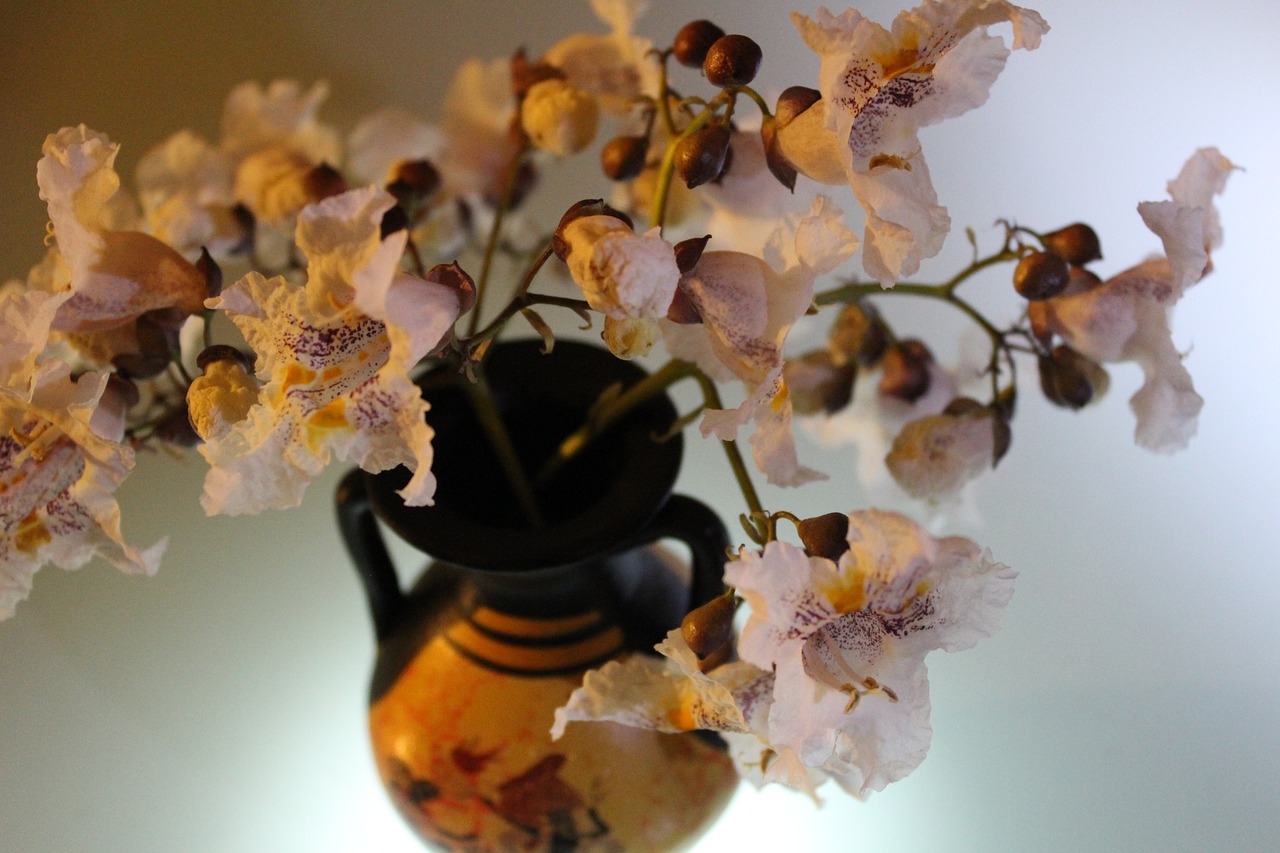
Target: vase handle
[[364, 543], [697, 526]]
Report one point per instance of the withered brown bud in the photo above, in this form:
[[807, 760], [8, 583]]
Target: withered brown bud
[[455, 278], [689, 252], [1041, 275], [778, 164], [223, 352], [710, 626], [322, 182], [414, 181], [577, 210], [906, 370], [525, 74], [824, 535], [700, 157], [622, 157], [858, 334], [693, 41], [212, 273], [395, 219], [732, 60], [682, 310], [818, 383], [1077, 244], [1069, 379]]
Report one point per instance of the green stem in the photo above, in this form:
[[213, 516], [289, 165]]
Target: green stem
[[600, 420], [736, 462], [760, 101], [481, 398], [491, 245], [521, 299], [666, 170]]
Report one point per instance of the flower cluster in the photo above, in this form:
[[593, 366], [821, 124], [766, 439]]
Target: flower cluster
[[353, 260]]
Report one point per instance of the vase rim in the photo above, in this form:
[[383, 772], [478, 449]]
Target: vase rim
[[626, 494]]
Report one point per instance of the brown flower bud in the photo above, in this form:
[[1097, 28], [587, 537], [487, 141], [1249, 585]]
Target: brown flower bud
[[457, 279], [682, 310], [700, 157], [622, 157], [693, 41], [223, 352], [212, 273], [688, 252], [1041, 275], [577, 210], [1077, 244], [824, 535], [818, 383], [858, 334], [906, 370], [710, 626], [322, 182], [732, 60], [525, 74], [1069, 379], [414, 181], [395, 219]]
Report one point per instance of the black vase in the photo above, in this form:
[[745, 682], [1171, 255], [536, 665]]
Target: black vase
[[501, 627]]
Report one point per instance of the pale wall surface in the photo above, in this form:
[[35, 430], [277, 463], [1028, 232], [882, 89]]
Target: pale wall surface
[[1130, 702]]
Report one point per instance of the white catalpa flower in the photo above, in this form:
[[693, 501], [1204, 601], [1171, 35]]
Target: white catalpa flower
[[185, 187], [61, 458], [273, 139], [747, 306], [1126, 318], [846, 641], [613, 67], [878, 88], [114, 275], [934, 457], [335, 356]]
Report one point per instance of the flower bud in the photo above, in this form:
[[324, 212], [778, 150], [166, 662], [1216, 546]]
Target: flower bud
[[577, 210], [700, 157], [732, 60], [689, 252], [825, 535], [906, 370], [1071, 380], [559, 117], [212, 273], [710, 626], [858, 335], [817, 383], [693, 41], [222, 397], [525, 74], [323, 182], [622, 157], [1076, 244], [413, 182], [1040, 275], [456, 279]]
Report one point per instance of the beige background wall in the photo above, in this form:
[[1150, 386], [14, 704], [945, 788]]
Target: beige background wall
[[1130, 702]]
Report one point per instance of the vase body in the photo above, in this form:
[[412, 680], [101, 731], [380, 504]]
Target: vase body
[[500, 628]]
